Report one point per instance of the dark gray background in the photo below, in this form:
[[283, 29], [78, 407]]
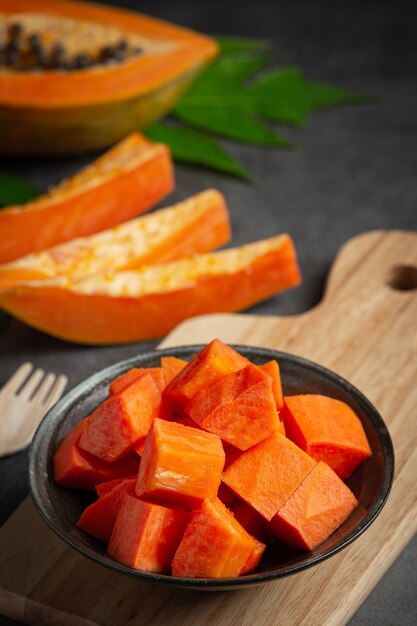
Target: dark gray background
[[354, 170]]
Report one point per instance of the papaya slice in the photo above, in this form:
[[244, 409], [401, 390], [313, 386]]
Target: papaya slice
[[121, 382], [172, 366], [149, 302], [145, 536], [199, 224], [272, 369], [212, 362], [104, 488], [320, 504], [214, 544], [127, 180], [121, 420], [251, 521], [180, 466], [254, 558], [61, 111], [266, 475], [328, 430], [98, 519], [77, 469], [240, 407]]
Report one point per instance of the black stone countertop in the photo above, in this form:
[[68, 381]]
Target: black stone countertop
[[354, 170]]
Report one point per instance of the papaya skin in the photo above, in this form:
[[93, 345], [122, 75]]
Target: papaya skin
[[94, 199], [60, 112], [102, 317]]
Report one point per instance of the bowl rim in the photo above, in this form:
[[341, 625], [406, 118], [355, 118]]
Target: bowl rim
[[41, 441]]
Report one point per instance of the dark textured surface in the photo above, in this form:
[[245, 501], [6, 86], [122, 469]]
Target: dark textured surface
[[354, 170]]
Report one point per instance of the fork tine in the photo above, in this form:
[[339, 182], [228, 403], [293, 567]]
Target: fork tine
[[17, 379], [57, 391], [45, 387], [31, 384]]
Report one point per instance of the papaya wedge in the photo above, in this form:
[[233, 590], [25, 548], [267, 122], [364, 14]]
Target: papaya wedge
[[129, 306], [199, 224], [69, 109], [127, 180]]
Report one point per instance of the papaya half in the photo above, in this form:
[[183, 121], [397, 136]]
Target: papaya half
[[81, 76], [198, 224], [124, 182], [128, 306]]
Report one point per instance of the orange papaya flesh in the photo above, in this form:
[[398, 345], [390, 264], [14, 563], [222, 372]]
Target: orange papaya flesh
[[127, 180], [226, 495], [214, 544], [194, 226], [328, 430], [254, 558], [212, 362], [63, 112], [140, 446], [77, 469], [172, 366], [266, 475], [121, 382], [231, 452], [148, 302], [145, 535], [272, 369], [315, 510], [180, 466], [121, 420], [240, 407], [98, 519], [251, 521], [103, 489]]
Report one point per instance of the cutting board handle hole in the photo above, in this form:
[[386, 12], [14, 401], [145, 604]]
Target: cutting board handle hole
[[402, 278]]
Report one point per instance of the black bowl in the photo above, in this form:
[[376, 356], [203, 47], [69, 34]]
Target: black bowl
[[61, 508]]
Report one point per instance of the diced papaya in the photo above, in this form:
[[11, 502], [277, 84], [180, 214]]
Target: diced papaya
[[121, 420], [121, 382], [140, 446], [104, 488], [315, 510], [272, 369], [212, 362], [214, 544], [239, 407], [251, 521], [98, 519], [226, 495], [78, 469], [231, 452], [254, 558], [172, 366], [328, 430], [145, 536], [266, 475], [180, 466]]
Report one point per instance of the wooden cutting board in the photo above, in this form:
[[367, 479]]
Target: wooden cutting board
[[366, 330]]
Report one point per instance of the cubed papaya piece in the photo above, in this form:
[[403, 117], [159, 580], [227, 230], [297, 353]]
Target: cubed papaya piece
[[226, 495], [315, 510], [239, 407], [328, 430], [271, 368], [145, 535], [214, 544], [78, 469], [180, 466], [104, 488], [121, 382], [172, 366], [266, 475], [124, 418], [140, 446], [251, 521], [254, 558], [98, 519], [215, 360]]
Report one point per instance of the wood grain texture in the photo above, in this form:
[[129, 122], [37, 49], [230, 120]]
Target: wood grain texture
[[365, 330]]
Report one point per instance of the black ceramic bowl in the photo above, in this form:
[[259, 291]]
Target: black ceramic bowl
[[61, 508]]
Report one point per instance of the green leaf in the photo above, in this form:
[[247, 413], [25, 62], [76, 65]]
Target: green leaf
[[282, 95], [230, 122], [242, 44], [15, 191], [194, 147]]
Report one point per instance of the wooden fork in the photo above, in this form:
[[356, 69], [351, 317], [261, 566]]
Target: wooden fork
[[24, 400]]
